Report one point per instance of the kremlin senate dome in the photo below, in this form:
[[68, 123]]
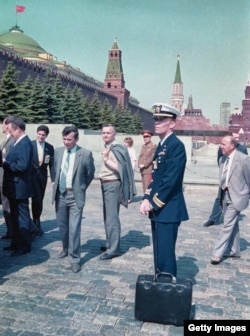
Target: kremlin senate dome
[[24, 46], [17, 40]]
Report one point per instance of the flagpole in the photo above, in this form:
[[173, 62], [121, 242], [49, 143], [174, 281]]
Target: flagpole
[[19, 9], [16, 14]]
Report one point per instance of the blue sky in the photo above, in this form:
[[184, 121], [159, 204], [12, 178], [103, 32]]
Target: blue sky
[[211, 36]]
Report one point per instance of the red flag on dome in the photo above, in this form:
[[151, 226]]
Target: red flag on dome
[[20, 9]]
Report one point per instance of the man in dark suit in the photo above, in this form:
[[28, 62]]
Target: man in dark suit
[[43, 157], [164, 199], [5, 147], [74, 171], [17, 186]]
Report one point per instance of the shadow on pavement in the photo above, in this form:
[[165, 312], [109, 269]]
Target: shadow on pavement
[[243, 244], [187, 268], [133, 239], [38, 254]]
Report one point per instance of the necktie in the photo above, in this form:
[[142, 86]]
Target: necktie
[[62, 184], [224, 175], [40, 153]]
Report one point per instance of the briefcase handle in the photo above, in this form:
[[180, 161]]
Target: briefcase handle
[[169, 275]]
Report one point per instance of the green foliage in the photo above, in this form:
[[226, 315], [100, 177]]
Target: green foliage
[[84, 118], [24, 95], [9, 90], [106, 114], [136, 124], [94, 112], [46, 100], [36, 104]]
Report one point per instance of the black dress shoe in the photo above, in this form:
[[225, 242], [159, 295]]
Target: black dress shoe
[[232, 256], [34, 234], [19, 252], [103, 248], [106, 256], [40, 233], [62, 254], [209, 223], [215, 260], [75, 268], [9, 248], [6, 236], [37, 226]]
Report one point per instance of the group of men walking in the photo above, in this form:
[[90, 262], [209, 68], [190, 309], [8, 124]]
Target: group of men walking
[[25, 173], [25, 166], [23, 176]]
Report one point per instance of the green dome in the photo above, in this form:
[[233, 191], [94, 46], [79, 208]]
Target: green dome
[[17, 40]]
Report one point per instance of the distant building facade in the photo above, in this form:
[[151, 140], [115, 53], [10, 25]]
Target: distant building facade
[[192, 122], [240, 122], [225, 111]]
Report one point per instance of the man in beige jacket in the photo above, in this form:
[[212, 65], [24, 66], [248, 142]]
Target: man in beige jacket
[[145, 159]]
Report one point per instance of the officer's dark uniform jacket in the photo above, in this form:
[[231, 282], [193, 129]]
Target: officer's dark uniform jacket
[[165, 192]]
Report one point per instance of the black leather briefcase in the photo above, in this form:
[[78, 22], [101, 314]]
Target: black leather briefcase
[[163, 299]]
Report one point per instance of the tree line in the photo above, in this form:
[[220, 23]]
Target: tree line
[[46, 101]]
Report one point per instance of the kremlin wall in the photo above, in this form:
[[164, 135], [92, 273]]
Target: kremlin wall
[[92, 140], [30, 58]]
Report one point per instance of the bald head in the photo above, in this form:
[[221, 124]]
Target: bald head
[[228, 145]]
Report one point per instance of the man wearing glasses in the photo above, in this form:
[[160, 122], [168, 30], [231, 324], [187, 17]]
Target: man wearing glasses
[[145, 159], [164, 200]]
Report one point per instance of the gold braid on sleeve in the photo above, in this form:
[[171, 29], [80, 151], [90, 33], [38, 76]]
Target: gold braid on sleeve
[[157, 201]]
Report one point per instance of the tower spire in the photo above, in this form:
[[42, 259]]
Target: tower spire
[[178, 71], [177, 96]]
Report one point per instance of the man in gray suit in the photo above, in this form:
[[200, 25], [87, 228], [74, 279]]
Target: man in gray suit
[[216, 214], [234, 194], [74, 170]]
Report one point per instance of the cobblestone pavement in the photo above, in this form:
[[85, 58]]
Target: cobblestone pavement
[[39, 295]]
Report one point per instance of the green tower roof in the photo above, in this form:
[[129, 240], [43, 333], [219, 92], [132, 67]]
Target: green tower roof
[[178, 73], [114, 67], [115, 45]]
